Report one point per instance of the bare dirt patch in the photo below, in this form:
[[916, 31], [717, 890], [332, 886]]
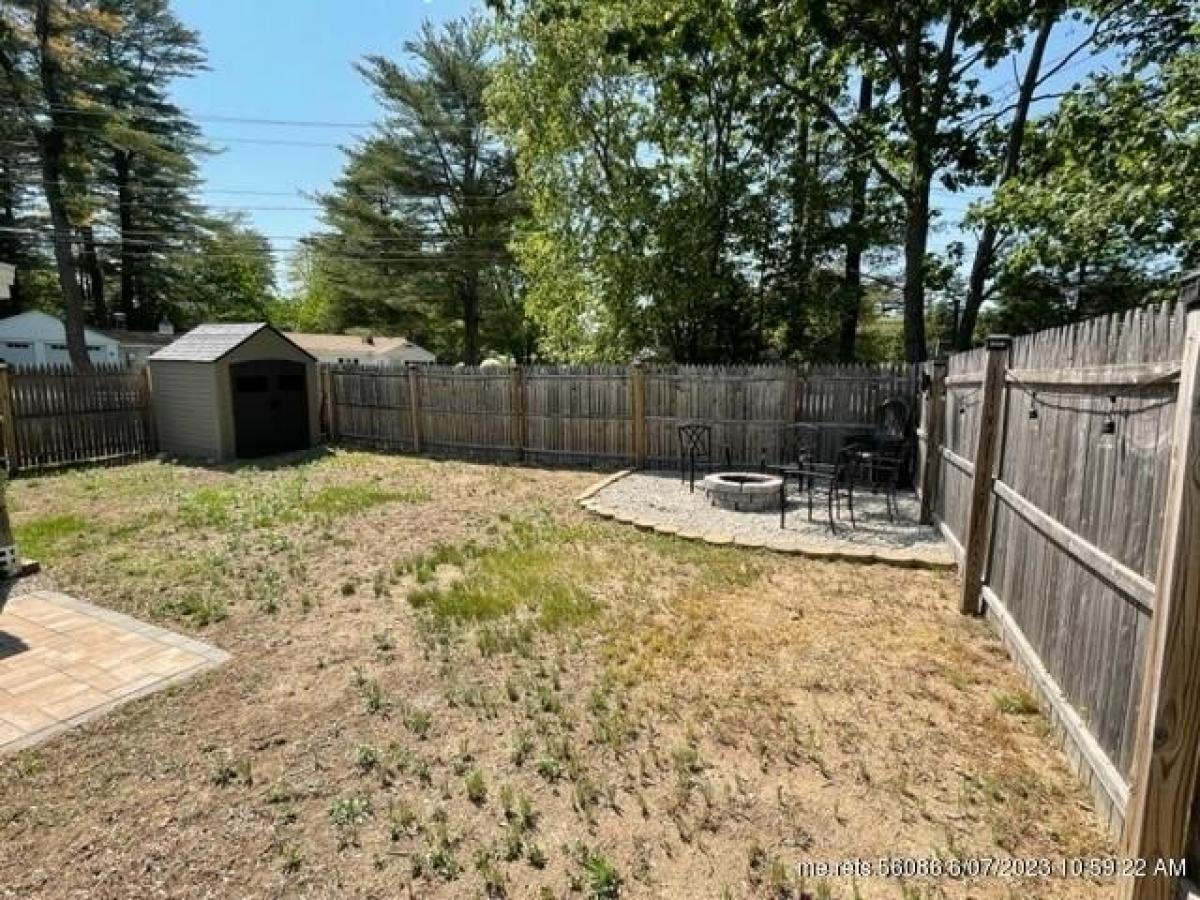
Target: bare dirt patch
[[447, 681]]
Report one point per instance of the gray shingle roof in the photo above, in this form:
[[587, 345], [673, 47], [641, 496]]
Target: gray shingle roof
[[208, 343]]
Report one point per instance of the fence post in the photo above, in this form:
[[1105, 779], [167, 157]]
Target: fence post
[[933, 425], [978, 518], [148, 420], [517, 403], [8, 428], [335, 425], [637, 413], [326, 402], [414, 398], [1167, 747], [791, 394]]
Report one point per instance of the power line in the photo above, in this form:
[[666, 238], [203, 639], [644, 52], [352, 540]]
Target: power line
[[149, 236], [221, 139], [208, 117], [149, 249]]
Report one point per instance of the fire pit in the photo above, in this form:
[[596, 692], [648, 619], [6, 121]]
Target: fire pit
[[743, 491]]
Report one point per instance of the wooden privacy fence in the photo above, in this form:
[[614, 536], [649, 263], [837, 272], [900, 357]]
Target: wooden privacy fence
[[604, 415], [1062, 468], [51, 417]]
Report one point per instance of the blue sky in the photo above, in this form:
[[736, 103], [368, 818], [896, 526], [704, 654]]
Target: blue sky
[[294, 60], [289, 60]]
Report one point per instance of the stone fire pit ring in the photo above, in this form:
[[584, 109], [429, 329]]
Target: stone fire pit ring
[[743, 491]]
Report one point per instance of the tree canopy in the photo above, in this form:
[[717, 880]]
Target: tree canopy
[[576, 180], [419, 223], [99, 169]]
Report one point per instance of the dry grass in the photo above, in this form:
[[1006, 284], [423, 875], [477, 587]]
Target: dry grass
[[449, 682]]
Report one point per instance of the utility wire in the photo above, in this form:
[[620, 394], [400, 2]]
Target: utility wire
[[151, 232]]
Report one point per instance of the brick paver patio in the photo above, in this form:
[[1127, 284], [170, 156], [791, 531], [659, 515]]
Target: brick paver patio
[[63, 662]]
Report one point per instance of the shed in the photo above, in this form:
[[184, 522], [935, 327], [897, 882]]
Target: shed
[[234, 391]]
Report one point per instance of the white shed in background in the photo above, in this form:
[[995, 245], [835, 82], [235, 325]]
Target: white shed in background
[[7, 273], [36, 339]]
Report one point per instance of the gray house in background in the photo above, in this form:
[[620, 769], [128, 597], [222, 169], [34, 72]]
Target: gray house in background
[[237, 391], [137, 346]]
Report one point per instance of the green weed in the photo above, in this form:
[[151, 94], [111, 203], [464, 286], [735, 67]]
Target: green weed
[[198, 609], [336, 500], [535, 569], [43, 538], [1017, 703], [477, 787], [603, 880]]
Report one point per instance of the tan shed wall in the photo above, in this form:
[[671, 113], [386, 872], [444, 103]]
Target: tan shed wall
[[264, 345], [186, 409]]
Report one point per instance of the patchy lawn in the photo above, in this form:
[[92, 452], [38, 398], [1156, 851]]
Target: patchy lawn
[[449, 682]]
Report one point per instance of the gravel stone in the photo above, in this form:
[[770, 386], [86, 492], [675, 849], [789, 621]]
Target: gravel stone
[[662, 502]]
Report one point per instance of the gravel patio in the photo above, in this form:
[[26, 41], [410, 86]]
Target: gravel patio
[[662, 502]]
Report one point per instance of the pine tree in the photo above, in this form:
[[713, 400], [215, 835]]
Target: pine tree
[[146, 161], [420, 220]]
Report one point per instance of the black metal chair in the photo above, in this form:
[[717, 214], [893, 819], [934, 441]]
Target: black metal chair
[[831, 479], [695, 445], [886, 461], [800, 443], [894, 419]]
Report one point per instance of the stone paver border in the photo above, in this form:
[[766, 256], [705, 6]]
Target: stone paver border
[[602, 484], [209, 657], [886, 555]]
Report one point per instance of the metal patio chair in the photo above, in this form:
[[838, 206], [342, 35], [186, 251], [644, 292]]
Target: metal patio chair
[[695, 445], [831, 479], [885, 461]]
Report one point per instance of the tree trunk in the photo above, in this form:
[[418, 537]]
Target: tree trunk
[[6, 535], [10, 245], [95, 276], [10, 569], [471, 317], [64, 256], [121, 169], [981, 266], [855, 239], [52, 144], [798, 249], [916, 239]]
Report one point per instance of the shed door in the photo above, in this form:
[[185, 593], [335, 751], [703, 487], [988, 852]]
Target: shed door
[[270, 407]]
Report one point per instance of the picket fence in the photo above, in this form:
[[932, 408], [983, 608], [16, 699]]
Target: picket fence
[[604, 415], [53, 417], [1062, 468]]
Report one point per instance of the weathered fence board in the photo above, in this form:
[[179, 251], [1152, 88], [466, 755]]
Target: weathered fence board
[[577, 414], [1076, 499], [467, 411], [57, 417], [607, 415], [844, 400], [370, 406], [747, 406], [962, 405]]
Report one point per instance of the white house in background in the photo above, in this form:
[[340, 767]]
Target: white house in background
[[359, 350], [7, 273], [37, 339]]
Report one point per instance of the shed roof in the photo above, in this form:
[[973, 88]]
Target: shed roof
[[208, 343]]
